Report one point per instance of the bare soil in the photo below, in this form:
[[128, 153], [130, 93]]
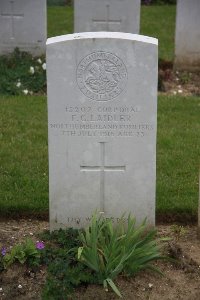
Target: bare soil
[[174, 82], [181, 279]]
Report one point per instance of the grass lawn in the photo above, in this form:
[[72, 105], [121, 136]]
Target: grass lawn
[[159, 22], [156, 21], [178, 150], [24, 161], [59, 20]]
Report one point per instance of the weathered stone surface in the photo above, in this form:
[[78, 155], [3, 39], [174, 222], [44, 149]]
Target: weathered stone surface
[[23, 25], [102, 110], [187, 41], [107, 15]]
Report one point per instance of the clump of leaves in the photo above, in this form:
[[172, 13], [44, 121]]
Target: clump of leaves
[[64, 271], [109, 249], [184, 77], [26, 252], [67, 238], [63, 276], [178, 231], [21, 73]]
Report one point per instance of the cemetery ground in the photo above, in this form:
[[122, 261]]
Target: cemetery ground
[[24, 199], [180, 280], [24, 175]]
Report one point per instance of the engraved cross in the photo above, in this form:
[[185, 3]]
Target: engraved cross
[[107, 20], [102, 168], [12, 16]]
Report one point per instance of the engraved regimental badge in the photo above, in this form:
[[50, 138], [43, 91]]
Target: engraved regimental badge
[[101, 76]]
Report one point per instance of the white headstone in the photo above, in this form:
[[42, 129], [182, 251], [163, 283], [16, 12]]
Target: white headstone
[[102, 110], [187, 42], [107, 15], [23, 25]]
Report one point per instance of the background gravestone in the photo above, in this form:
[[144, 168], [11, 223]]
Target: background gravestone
[[187, 41], [102, 109], [23, 25], [107, 15]]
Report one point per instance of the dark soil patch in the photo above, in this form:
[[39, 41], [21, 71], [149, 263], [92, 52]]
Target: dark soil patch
[[161, 218], [175, 82], [178, 218]]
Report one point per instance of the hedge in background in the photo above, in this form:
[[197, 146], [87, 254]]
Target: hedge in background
[[148, 2], [59, 2]]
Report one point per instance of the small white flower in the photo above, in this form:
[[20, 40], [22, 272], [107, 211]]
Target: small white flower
[[39, 61], [44, 66], [30, 233], [1, 290], [19, 286], [31, 70], [18, 84], [150, 285], [174, 92], [25, 92], [180, 91]]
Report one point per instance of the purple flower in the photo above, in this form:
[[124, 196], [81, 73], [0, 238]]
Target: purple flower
[[40, 245], [3, 251]]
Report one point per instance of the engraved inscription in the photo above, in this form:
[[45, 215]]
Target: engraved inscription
[[101, 76], [104, 121], [80, 220]]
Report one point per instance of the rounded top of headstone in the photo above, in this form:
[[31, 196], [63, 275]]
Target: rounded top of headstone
[[102, 35]]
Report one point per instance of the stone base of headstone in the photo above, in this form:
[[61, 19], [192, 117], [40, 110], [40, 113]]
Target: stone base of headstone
[[187, 41], [23, 26], [186, 65]]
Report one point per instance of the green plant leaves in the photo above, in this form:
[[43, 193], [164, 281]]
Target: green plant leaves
[[65, 272], [25, 252], [22, 74], [110, 249], [97, 254], [113, 286]]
